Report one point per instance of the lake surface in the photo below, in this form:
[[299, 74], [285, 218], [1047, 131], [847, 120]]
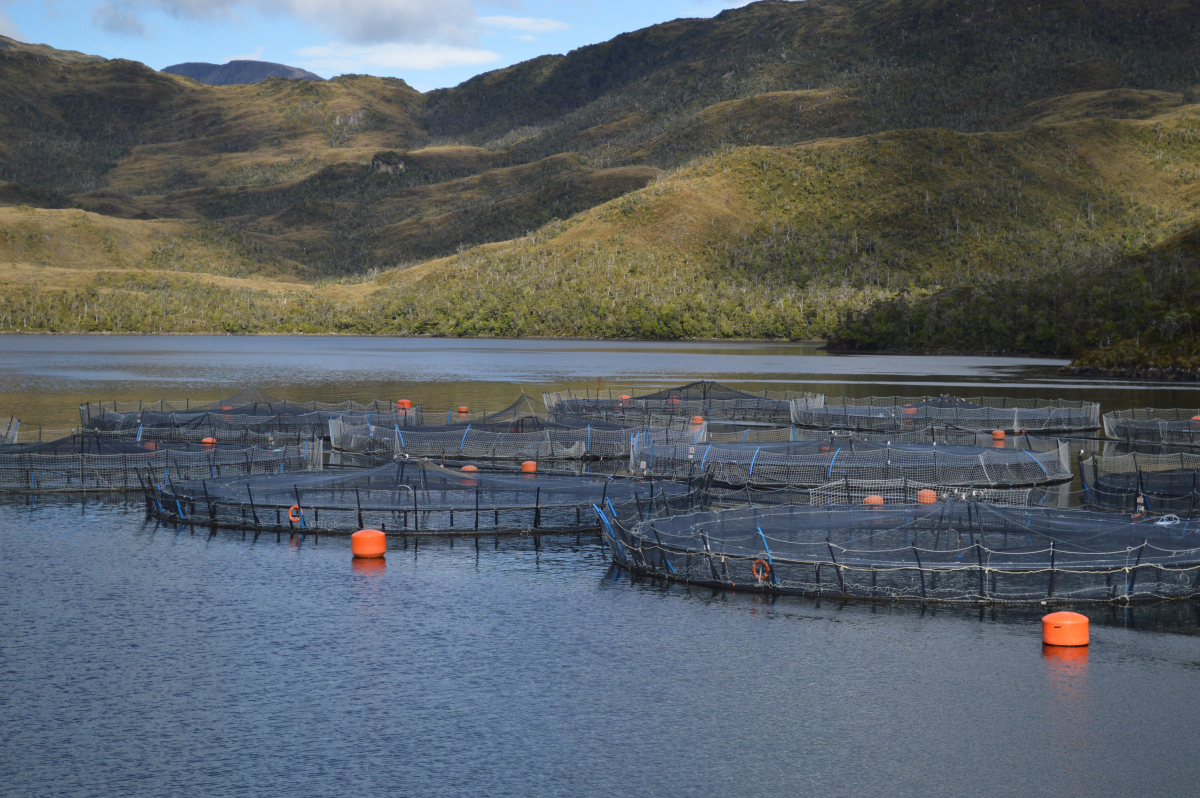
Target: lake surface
[[141, 659]]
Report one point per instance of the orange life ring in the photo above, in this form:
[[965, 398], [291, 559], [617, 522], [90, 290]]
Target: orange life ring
[[295, 514], [766, 570]]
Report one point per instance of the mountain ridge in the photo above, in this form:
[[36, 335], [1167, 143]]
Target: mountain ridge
[[238, 72], [373, 194]]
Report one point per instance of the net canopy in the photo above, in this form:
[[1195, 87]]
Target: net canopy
[[528, 438], [124, 466], [809, 463], [416, 497], [908, 413], [717, 432], [709, 400], [1143, 483], [1173, 426], [948, 551]]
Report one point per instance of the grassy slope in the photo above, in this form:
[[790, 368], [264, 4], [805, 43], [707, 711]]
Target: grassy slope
[[920, 237]]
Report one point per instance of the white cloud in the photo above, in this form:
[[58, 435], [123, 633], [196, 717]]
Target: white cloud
[[524, 24], [354, 21], [339, 58], [117, 18]]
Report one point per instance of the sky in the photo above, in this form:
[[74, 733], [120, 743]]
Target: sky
[[429, 43]]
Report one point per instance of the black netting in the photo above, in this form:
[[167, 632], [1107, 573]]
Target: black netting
[[949, 550], [809, 463], [1172, 426], [709, 400], [412, 497], [910, 413], [1143, 483]]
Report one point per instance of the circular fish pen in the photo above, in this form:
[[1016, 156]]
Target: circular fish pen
[[1170, 426], [908, 413], [709, 400], [1143, 483], [811, 463], [948, 551], [418, 498], [89, 463]]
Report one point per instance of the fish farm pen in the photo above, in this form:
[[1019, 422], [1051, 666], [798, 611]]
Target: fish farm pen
[[708, 400], [808, 463], [718, 432], [521, 439], [91, 463], [906, 413], [1170, 426], [1143, 483], [946, 551], [414, 497]]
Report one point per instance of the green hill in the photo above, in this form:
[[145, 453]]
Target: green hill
[[883, 174]]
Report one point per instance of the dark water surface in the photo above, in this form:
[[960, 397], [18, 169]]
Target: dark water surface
[[44, 378], [137, 659]]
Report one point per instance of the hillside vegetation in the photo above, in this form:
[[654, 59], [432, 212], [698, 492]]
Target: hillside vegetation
[[883, 174]]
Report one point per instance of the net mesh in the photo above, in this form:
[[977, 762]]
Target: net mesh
[[1142, 483], [414, 497], [949, 551], [709, 400], [810, 463], [909, 413], [121, 466], [1174, 426]]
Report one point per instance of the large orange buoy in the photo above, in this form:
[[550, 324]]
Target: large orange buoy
[[368, 543], [529, 467], [464, 410], [697, 420], [997, 434], [926, 496], [873, 501], [1065, 629], [404, 404], [209, 442]]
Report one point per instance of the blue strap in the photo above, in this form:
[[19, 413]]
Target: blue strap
[[464, 440], [705, 457], [770, 562], [1034, 459], [400, 435], [698, 431], [448, 417], [139, 437], [744, 434], [752, 459], [831, 462], [589, 445]]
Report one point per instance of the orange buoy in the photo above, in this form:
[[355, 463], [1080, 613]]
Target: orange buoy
[[468, 468], [209, 441], [926, 496], [529, 467], [226, 408], [368, 543], [697, 420], [151, 445], [1195, 418], [909, 410], [873, 500], [464, 410], [675, 400], [625, 398], [997, 434], [1065, 629], [295, 514], [404, 404]]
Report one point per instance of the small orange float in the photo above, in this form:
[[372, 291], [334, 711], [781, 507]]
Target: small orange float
[[1065, 629], [926, 496], [464, 410], [529, 467], [404, 404], [697, 420], [209, 442], [468, 468], [368, 543], [625, 398], [873, 501]]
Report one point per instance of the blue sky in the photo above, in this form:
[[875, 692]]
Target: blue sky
[[428, 43]]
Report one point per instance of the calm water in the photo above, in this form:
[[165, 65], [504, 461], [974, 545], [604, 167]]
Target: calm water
[[137, 659]]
